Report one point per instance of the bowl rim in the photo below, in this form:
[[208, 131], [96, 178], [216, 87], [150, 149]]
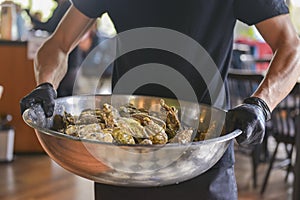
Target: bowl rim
[[222, 138]]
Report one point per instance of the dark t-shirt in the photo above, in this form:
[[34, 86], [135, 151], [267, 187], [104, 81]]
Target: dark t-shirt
[[211, 24]]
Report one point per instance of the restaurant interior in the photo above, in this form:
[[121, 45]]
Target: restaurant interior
[[266, 171]]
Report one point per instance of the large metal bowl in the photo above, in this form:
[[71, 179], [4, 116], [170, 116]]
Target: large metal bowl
[[133, 165]]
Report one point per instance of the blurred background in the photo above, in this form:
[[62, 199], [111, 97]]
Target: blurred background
[[27, 172]]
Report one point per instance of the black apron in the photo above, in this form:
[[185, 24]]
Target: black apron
[[215, 184]]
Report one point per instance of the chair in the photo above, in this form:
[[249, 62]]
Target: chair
[[285, 126], [242, 84]]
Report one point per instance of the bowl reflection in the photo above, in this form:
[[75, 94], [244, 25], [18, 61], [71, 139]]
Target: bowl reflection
[[132, 165]]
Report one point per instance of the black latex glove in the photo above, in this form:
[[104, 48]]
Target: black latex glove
[[250, 117], [43, 94]]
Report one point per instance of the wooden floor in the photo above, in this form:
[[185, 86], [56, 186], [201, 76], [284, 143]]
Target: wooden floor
[[277, 188], [36, 177]]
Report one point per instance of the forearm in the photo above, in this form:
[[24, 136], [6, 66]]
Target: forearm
[[50, 64], [282, 75], [284, 69], [51, 61]]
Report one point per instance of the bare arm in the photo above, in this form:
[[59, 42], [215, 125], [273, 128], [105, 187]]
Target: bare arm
[[51, 61], [284, 69]]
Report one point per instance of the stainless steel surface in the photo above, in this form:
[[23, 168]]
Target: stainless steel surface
[[1, 91], [7, 136], [132, 165]]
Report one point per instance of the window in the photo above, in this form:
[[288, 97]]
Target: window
[[43, 6], [295, 13]]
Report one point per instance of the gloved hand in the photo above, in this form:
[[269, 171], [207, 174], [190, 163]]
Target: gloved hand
[[250, 117], [43, 94]]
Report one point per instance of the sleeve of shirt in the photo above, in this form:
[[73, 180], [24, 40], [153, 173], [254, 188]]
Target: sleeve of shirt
[[90, 8], [254, 11]]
